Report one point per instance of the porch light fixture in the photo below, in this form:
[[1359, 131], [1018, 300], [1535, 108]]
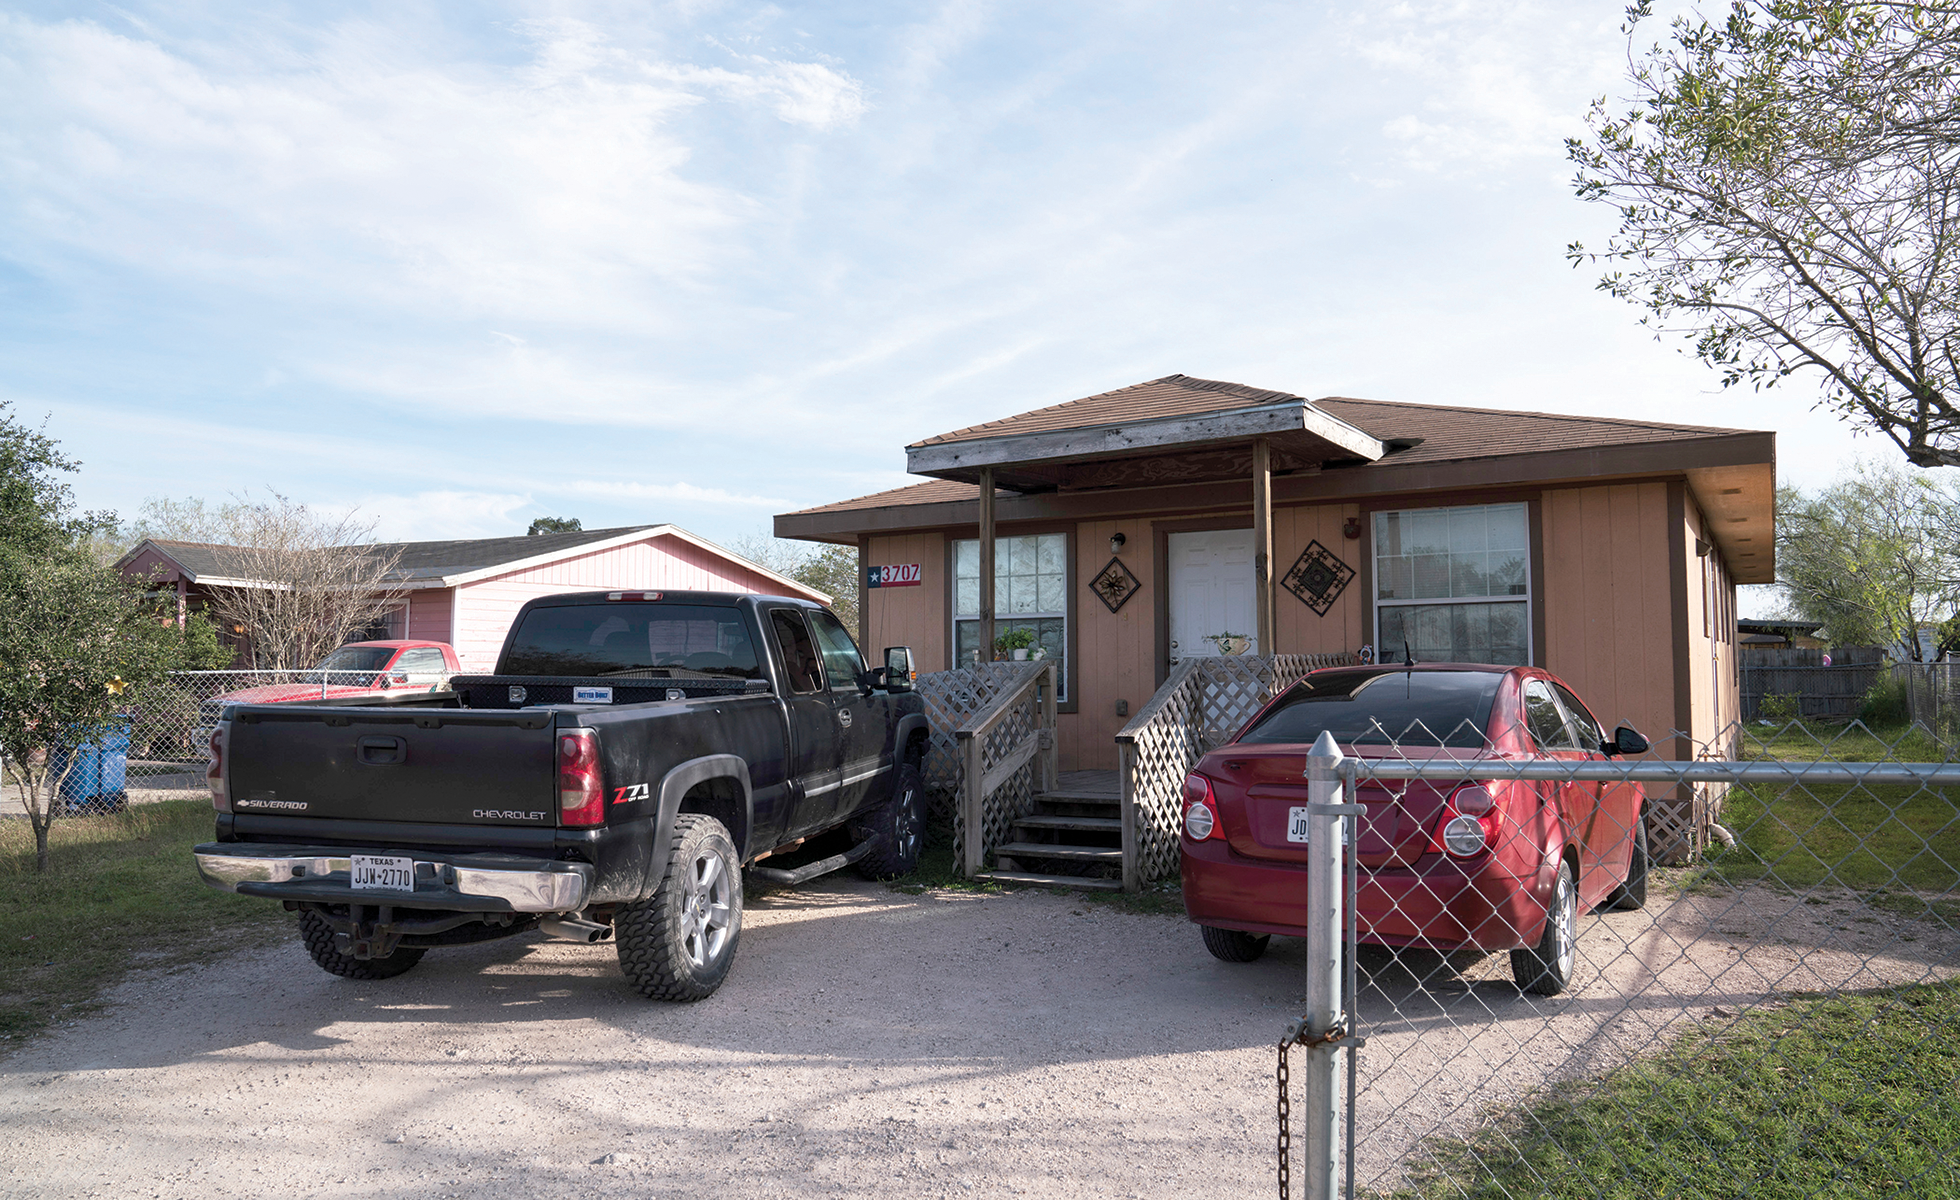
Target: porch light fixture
[[1116, 541], [1351, 529]]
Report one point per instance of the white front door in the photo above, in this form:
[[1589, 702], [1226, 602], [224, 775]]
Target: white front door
[[1211, 591]]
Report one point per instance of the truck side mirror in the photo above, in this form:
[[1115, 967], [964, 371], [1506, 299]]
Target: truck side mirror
[[1626, 740], [899, 674]]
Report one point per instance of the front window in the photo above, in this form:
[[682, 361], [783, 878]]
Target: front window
[[1454, 584], [1030, 593]]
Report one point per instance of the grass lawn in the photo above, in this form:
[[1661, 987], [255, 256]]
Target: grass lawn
[[119, 892], [1898, 844], [1826, 1098]]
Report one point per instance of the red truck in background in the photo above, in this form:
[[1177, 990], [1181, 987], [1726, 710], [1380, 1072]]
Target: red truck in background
[[373, 671]]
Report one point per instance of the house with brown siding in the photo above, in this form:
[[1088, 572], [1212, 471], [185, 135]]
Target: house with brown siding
[[1135, 528], [468, 592]]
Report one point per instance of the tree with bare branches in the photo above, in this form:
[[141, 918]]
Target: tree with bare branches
[[1788, 189], [306, 582]]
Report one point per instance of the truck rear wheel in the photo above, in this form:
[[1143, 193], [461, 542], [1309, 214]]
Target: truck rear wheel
[[318, 936], [678, 944], [899, 824]]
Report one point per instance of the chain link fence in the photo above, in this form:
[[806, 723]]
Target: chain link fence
[[1778, 1017], [170, 723]]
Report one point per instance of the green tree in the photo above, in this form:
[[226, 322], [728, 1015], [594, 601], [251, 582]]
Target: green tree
[[1875, 556], [553, 525], [1788, 193], [79, 643], [36, 506]]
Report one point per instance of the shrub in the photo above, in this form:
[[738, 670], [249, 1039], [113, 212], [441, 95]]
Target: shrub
[[1782, 708], [1885, 704]]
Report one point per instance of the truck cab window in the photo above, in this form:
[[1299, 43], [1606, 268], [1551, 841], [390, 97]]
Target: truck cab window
[[799, 654], [841, 660]]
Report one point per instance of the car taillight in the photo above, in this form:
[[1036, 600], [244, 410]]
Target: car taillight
[[1470, 821], [581, 793], [215, 774], [1200, 809]]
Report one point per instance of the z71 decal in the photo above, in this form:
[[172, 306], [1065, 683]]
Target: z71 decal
[[630, 793]]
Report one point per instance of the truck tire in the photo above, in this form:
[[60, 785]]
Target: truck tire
[[678, 943], [899, 824], [318, 936]]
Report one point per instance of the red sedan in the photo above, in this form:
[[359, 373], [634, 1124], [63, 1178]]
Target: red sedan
[[1478, 863]]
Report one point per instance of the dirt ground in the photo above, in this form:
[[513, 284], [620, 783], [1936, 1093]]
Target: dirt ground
[[867, 1043]]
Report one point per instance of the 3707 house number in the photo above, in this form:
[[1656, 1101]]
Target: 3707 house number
[[895, 575]]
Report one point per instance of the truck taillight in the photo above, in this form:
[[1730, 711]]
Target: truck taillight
[[215, 775], [581, 793]]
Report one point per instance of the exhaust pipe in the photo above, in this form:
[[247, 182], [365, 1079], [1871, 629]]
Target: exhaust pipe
[[574, 929]]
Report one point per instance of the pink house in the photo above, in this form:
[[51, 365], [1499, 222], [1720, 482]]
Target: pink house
[[467, 592]]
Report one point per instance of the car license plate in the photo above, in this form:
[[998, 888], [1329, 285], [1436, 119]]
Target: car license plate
[[377, 873], [1296, 823]]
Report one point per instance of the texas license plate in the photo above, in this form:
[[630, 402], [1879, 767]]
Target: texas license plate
[[373, 872], [1296, 824]]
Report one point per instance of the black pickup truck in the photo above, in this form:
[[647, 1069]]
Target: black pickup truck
[[633, 754]]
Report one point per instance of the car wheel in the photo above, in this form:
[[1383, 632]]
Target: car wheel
[[899, 824], [1546, 969], [318, 936], [678, 943], [1633, 893], [1235, 945]]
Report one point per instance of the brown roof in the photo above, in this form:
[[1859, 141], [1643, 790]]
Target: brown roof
[[1447, 433], [1171, 396]]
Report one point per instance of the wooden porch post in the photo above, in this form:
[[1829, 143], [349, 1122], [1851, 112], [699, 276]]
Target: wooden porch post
[[986, 564], [183, 601], [1262, 542]]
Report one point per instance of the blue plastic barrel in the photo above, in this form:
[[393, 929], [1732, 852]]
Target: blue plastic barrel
[[99, 776]]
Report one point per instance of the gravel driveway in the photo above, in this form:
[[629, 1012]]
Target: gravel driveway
[[867, 1043]]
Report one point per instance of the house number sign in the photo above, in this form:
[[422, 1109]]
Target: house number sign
[[896, 575]]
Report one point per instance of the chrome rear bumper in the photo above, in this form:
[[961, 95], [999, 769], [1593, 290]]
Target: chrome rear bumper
[[464, 882]]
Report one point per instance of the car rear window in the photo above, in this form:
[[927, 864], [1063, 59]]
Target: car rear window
[[1382, 707], [655, 641]]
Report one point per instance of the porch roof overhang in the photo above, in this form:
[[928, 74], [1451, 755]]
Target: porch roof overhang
[[1730, 473], [1163, 449]]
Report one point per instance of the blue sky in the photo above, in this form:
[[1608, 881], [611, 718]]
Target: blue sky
[[464, 264]]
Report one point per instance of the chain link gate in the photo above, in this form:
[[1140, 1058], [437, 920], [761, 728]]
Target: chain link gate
[[1702, 1043]]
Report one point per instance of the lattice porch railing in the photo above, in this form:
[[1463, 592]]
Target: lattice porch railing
[[1006, 756], [951, 698], [1203, 703]]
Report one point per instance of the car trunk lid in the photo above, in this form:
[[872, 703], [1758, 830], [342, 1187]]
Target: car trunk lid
[[1269, 783]]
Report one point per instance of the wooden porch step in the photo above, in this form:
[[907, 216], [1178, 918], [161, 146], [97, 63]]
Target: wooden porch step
[[1079, 883], [1109, 854], [1079, 795], [1085, 824]]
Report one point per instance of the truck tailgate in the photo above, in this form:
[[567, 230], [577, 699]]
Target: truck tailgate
[[445, 766]]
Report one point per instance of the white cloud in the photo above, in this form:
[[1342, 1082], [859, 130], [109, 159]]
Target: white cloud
[[436, 516], [683, 492], [361, 170]]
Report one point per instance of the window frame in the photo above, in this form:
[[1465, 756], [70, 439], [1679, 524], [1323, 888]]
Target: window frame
[[1065, 698], [1529, 597]]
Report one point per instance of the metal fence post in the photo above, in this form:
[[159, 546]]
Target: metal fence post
[[1321, 1166]]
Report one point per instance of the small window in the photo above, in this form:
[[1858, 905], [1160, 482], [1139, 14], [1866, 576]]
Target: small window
[[1454, 584], [841, 660], [1031, 592], [1543, 718], [1583, 725], [799, 653]]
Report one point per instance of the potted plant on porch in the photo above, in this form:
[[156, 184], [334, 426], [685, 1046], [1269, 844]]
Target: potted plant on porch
[[1015, 643]]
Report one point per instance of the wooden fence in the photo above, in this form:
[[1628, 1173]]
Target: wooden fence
[[1834, 691]]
